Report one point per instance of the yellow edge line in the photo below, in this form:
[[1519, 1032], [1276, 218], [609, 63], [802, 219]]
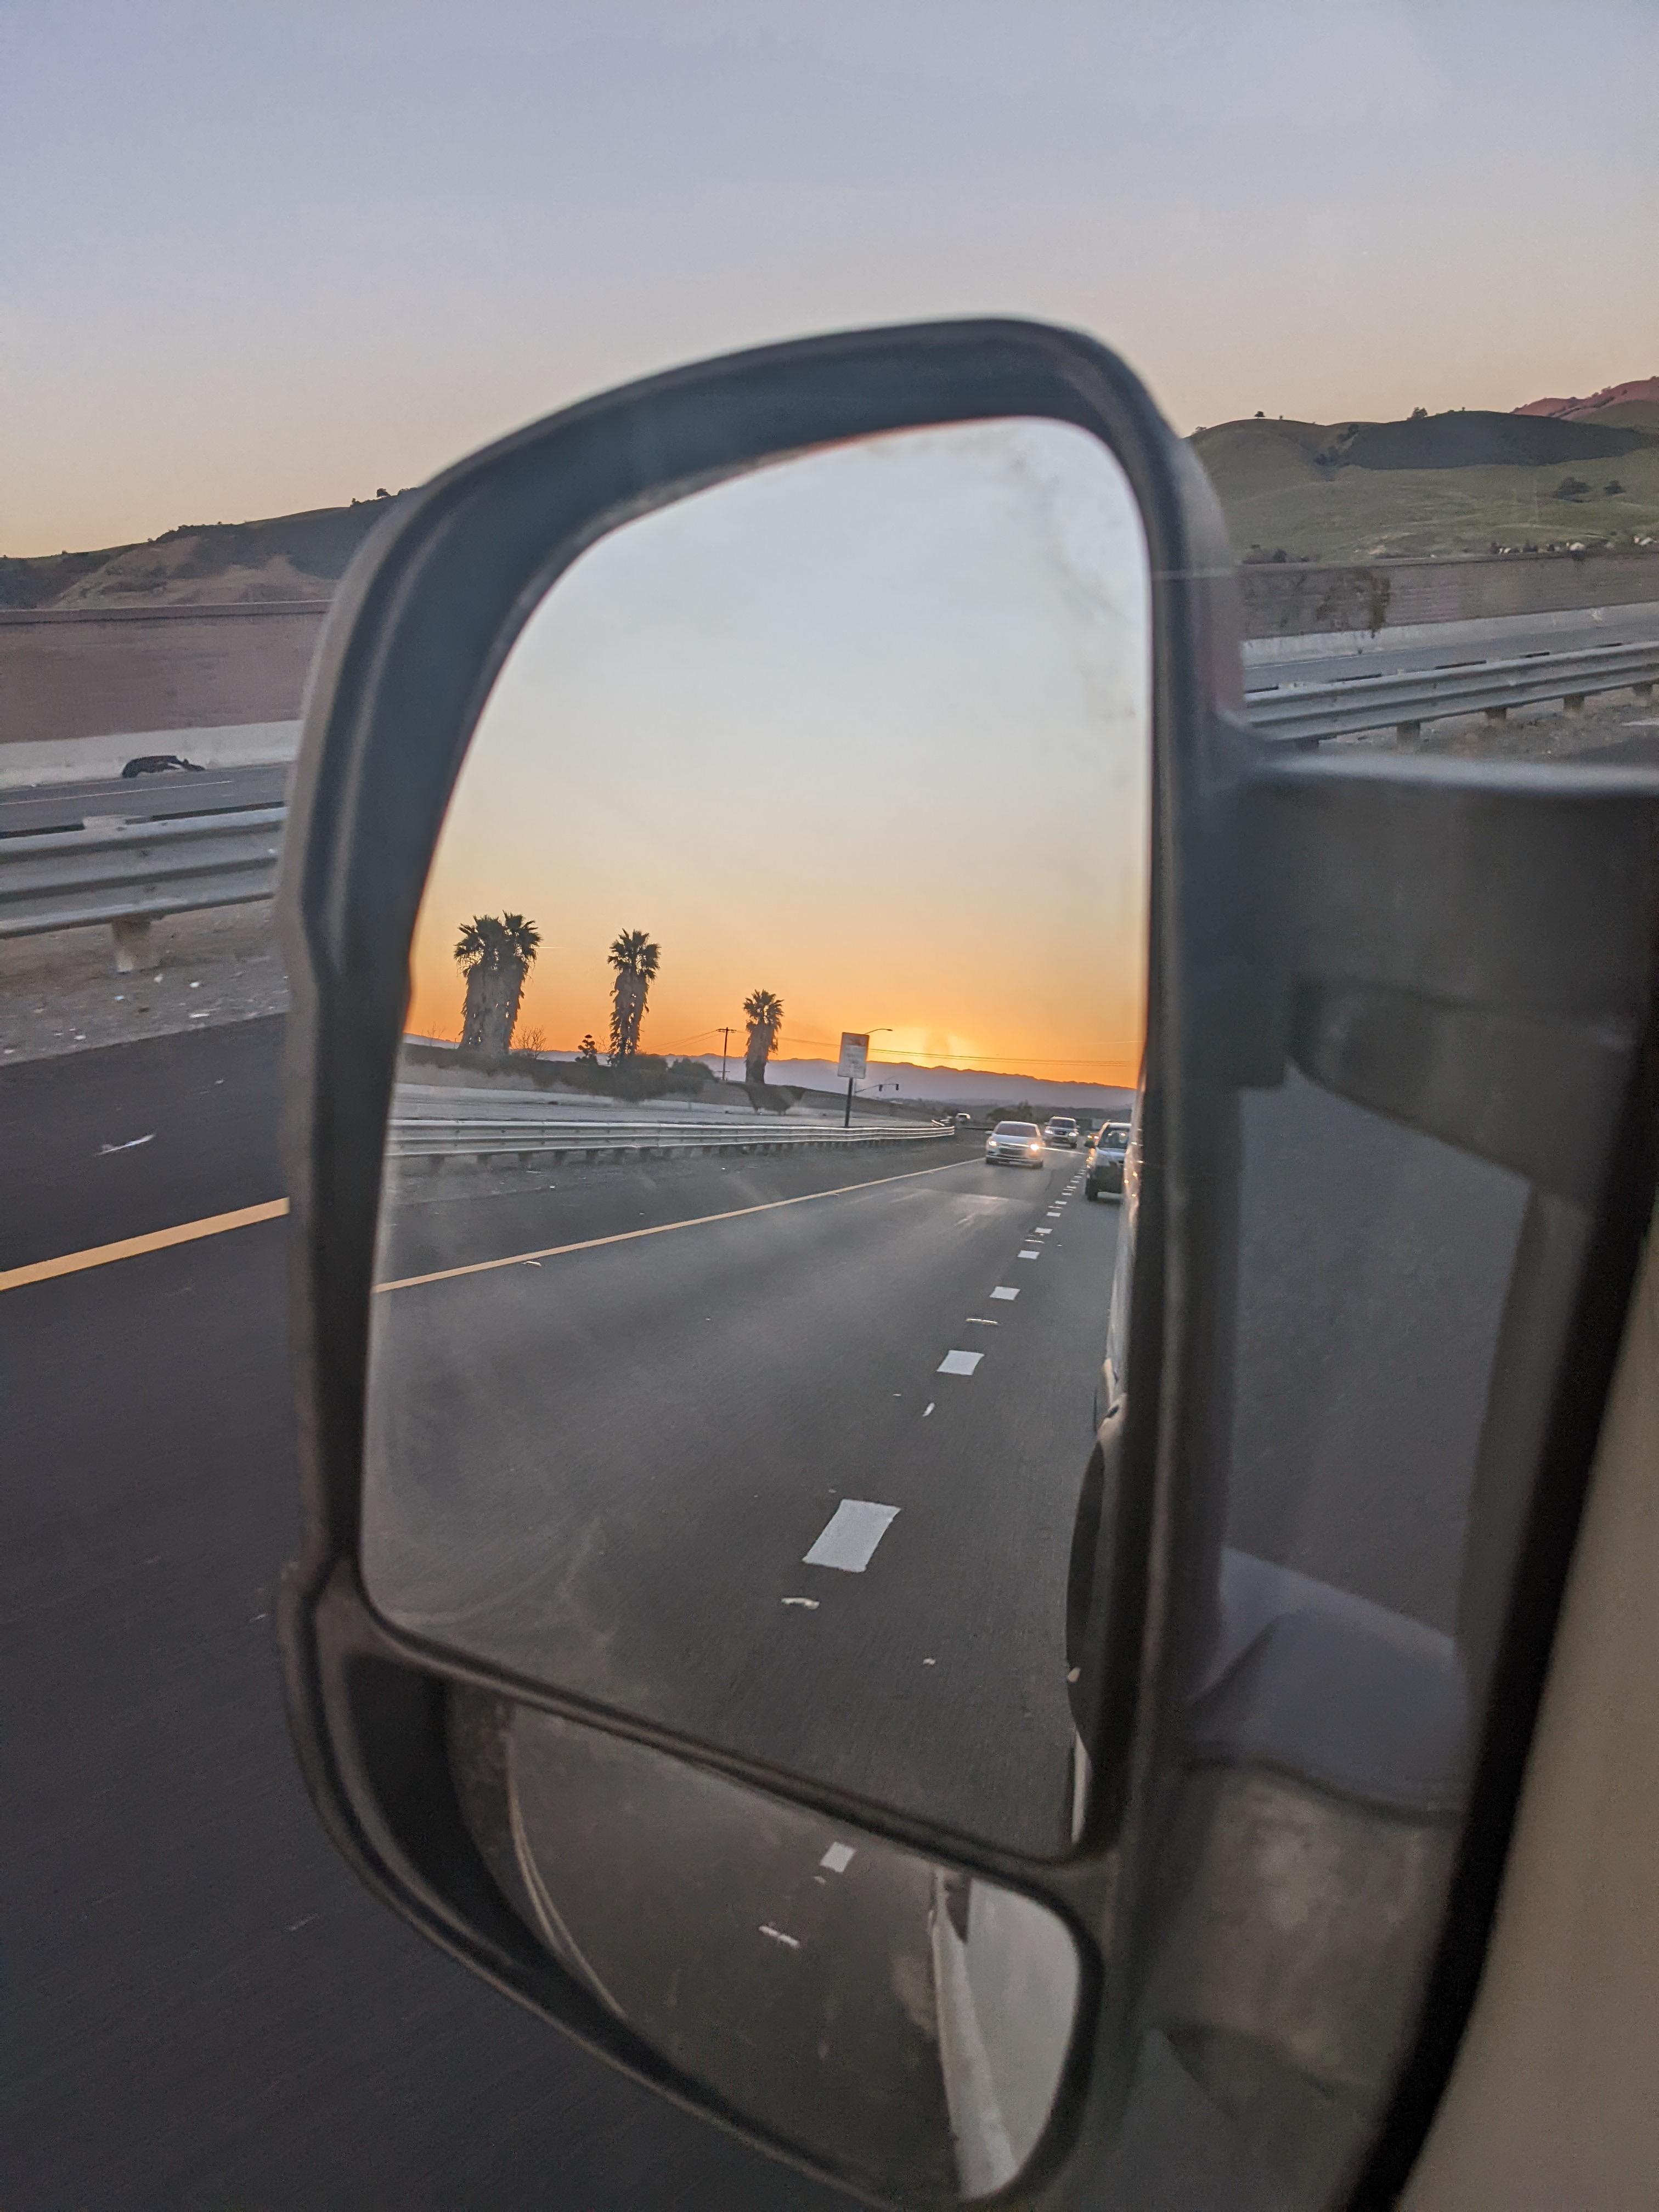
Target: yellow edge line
[[663, 1228], [129, 1248]]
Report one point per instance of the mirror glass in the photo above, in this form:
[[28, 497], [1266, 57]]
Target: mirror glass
[[744, 1260], [905, 2021]]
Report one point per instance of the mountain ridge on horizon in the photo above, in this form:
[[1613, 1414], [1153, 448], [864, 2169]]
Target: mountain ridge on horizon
[[300, 557]]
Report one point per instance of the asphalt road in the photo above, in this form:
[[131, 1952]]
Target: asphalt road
[[1270, 661], [202, 2008], [33, 808], [608, 1467]]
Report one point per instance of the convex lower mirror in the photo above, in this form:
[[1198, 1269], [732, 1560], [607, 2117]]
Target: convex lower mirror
[[745, 1264]]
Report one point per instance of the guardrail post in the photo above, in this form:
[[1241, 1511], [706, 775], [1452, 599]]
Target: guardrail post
[[133, 946], [1642, 691], [1494, 713], [1574, 702]]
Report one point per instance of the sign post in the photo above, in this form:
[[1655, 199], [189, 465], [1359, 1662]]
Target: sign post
[[853, 1066]]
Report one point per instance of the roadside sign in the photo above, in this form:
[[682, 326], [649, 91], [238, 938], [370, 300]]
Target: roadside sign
[[855, 1056]]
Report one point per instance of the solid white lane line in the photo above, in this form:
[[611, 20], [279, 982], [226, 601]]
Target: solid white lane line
[[594, 1243], [1004, 1291], [838, 1857], [959, 1363], [851, 1534]]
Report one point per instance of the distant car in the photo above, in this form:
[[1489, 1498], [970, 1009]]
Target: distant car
[[1104, 1171], [1017, 1144], [964, 1120], [1061, 1129]]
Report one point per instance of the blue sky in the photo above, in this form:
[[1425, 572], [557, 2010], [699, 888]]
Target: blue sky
[[260, 259]]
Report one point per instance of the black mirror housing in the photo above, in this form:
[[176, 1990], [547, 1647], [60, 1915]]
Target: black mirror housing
[[1279, 939]]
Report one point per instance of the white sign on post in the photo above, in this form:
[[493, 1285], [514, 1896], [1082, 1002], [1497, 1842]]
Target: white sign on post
[[854, 1057]]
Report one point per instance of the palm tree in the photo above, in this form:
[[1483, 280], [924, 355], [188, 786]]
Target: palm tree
[[765, 1012], [476, 956], [520, 942], [495, 953], [634, 958]]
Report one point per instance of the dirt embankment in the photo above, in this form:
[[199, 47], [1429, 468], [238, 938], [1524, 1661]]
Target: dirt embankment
[[288, 557]]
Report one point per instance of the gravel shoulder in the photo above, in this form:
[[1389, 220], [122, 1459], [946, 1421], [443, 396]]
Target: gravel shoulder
[[59, 992]]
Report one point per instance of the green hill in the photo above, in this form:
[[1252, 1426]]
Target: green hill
[[1459, 482]]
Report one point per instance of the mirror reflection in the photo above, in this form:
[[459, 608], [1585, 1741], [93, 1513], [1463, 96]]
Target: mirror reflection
[[901, 2019], [745, 1259]]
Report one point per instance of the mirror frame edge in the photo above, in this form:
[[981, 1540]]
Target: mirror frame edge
[[421, 623]]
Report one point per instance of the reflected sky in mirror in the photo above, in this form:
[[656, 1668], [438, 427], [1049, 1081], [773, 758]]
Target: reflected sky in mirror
[[738, 709]]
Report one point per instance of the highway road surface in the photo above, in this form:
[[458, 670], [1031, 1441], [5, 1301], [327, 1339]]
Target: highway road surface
[[1342, 657], [203, 2009], [785, 1453]]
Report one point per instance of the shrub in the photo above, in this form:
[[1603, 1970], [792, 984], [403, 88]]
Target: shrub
[[1570, 488]]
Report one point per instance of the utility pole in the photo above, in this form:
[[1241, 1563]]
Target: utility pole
[[725, 1038]]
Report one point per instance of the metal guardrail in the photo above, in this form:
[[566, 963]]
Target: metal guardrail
[[126, 872], [523, 1139], [1311, 713]]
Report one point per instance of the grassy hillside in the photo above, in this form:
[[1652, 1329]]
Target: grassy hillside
[[1460, 483], [290, 557], [1439, 484]]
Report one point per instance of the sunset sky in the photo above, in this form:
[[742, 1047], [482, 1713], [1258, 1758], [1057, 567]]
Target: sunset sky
[[262, 258], [867, 729]]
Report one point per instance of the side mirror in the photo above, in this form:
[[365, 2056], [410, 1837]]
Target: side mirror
[[858, 1636]]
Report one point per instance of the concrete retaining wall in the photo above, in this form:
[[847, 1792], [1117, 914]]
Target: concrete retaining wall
[[1290, 599], [70, 674], [66, 675]]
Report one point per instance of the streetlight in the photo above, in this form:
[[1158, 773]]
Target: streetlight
[[884, 1029]]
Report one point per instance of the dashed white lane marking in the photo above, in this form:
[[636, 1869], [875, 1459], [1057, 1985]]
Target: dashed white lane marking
[[959, 1363], [1042, 1232], [778, 1936], [928, 1407], [979, 1321], [810, 1603], [838, 1857], [1029, 1256], [851, 1535], [1004, 1290]]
